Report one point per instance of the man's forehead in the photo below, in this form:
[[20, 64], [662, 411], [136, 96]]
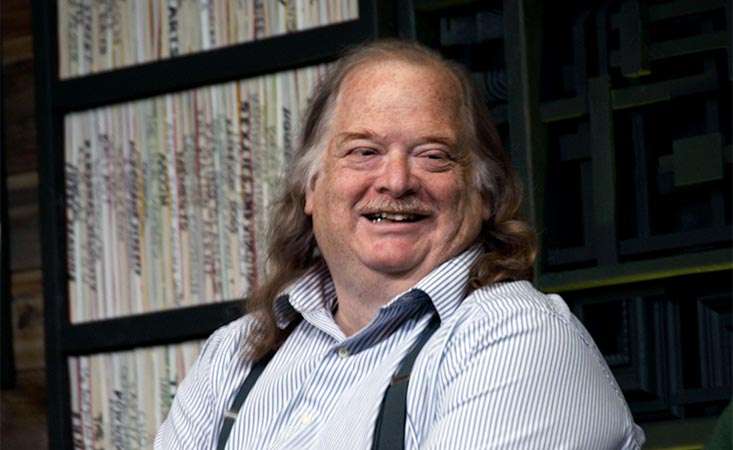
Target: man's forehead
[[389, 101], [433, 78]]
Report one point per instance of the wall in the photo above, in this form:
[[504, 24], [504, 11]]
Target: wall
[[23, 408]]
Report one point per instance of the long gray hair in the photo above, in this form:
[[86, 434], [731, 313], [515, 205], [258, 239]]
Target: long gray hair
[[509, 243]]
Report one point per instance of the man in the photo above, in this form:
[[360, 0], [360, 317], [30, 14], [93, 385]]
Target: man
[[400, 217]]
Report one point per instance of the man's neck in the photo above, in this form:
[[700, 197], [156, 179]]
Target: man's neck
[[359, 302]]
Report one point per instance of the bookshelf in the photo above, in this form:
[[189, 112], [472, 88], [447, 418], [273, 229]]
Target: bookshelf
[[58, 98]]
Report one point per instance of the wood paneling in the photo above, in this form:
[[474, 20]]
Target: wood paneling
[[27, 311], [17, 42], [22, 409], [25, 246], [19, 123], [17, 73], [23, 413]]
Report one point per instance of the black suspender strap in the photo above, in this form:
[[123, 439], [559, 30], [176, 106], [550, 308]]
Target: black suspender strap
[[231, 414], [389, 432]]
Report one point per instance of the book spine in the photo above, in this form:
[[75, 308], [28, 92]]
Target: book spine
[[99, 380], [246, 237], [90, 260], [146, 389], [256, 88], [195, 189], [172, 27], [85, 399], [167, 233], [74, 209], [121, 273], [290, 19], [75, 391], [189, 208], [175, 167], [149, 217], [234, 189], [105, 214], [218, 188], [260, 21], [64, 37]]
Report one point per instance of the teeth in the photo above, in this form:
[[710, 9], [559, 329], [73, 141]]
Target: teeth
[[394, 217]]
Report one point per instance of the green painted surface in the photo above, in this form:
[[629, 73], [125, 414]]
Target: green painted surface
[[711, 261], [682, 434]]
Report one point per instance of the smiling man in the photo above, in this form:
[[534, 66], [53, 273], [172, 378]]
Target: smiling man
[[397, 313]]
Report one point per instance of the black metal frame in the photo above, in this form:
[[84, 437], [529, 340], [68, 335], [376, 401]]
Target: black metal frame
[[7, 357], [55, 98], [605, 259], [666, 357]]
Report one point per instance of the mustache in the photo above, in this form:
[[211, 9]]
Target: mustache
[[406, 206]]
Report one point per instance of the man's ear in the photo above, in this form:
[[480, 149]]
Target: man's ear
[[308, 208], [485, 212], [485, 207]]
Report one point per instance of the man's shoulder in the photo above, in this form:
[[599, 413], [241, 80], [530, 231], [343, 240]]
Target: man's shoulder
[[513, 308], [513, 297], [228, 342]]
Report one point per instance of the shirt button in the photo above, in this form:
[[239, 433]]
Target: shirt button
[[343, 352], [306, 419]]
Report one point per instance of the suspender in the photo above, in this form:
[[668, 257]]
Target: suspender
[[389, 432], [231, 414]]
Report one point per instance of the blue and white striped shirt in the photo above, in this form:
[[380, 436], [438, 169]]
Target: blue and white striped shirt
[[509, 368]]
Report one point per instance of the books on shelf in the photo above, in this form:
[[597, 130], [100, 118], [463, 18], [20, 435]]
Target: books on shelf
[[101, 35], [118, 400], [167, 197]]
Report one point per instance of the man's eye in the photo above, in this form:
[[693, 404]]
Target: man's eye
[[437, 155], [436, 160], [363, 151]]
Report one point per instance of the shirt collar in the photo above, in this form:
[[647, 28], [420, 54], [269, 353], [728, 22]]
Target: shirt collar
[[445, 286], [313, 290]]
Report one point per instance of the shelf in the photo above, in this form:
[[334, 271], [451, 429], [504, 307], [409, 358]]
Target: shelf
[[708, 236], [630, 272], [274, 54], [159, 328]]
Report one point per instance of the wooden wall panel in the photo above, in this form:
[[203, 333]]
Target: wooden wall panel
[[28, 320], [22, 409], [20, 126], [25, 246]]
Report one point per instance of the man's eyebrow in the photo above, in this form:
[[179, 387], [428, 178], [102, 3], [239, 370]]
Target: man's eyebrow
[[437, 139], [370, 135], [354, 135]]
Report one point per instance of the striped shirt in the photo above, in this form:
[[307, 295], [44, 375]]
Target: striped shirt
[[509, 368]]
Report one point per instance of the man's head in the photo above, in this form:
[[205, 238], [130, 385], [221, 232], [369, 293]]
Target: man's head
[[393, 99], [478, 159], [392, 193]]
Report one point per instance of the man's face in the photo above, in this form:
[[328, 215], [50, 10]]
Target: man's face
[[394, 196]]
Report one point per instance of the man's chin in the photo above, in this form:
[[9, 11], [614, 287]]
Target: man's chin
[[397, 266]]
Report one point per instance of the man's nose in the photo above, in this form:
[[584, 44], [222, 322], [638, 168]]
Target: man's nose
[[397, 178]]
